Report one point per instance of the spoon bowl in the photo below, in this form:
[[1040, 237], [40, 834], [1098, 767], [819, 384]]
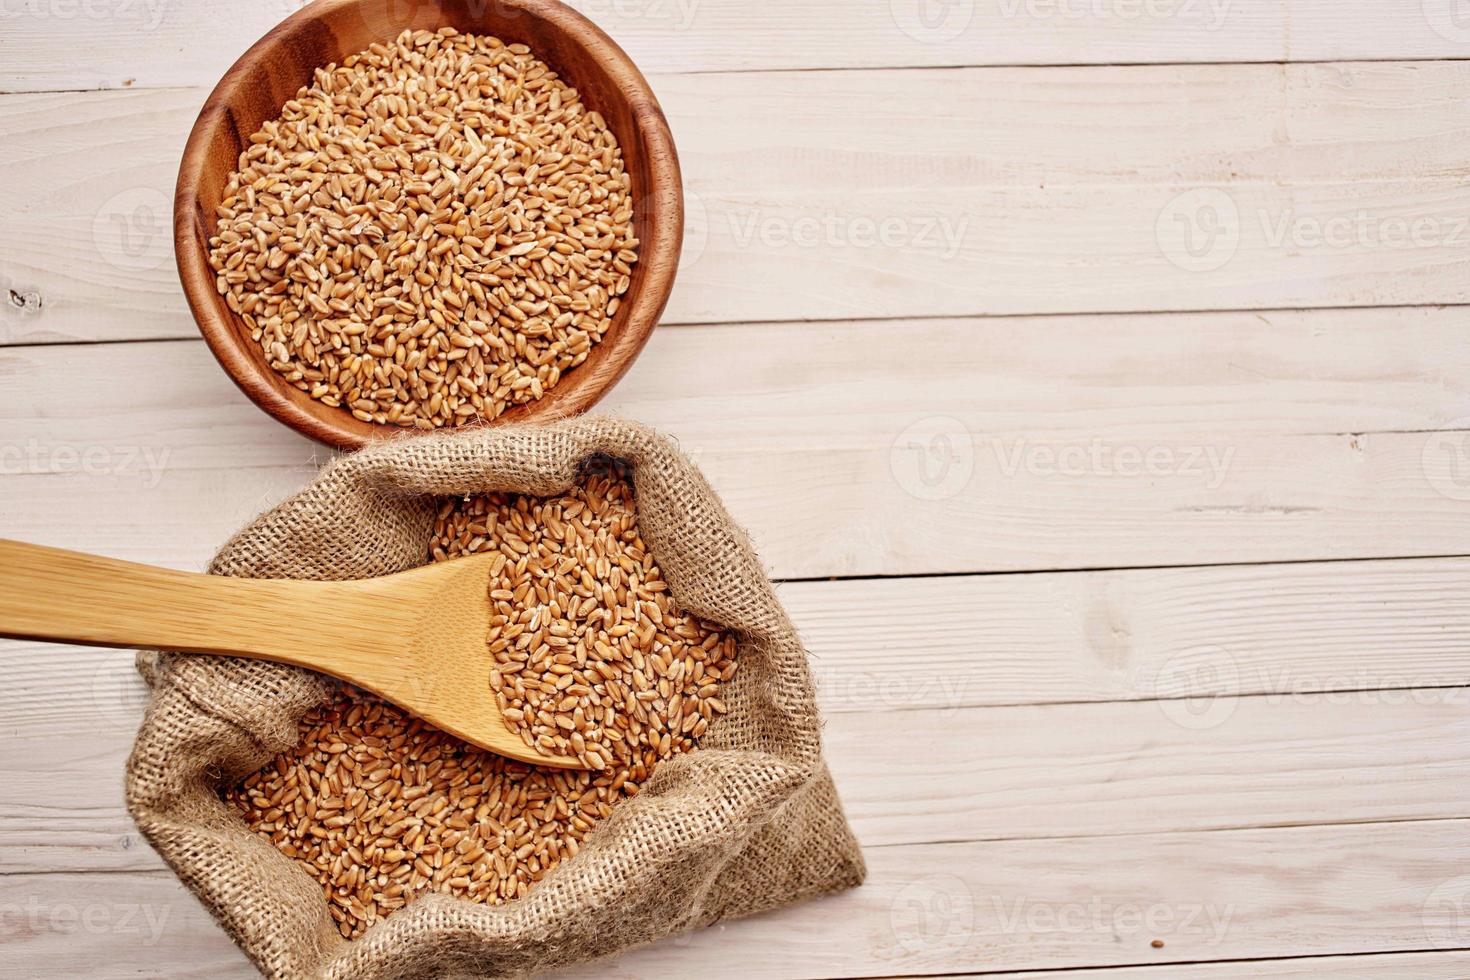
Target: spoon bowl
[[416, 638]]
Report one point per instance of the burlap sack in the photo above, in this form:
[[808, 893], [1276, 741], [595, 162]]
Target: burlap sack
[[746, 823]]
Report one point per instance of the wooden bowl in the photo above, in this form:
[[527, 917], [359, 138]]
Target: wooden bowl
[[271, 72]]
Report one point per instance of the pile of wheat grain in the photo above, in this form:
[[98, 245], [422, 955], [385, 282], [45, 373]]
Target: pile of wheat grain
[[589, 656], [430, 233]]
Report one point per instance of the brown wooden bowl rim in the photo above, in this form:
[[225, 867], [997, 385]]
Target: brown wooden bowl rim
[[658, 250]]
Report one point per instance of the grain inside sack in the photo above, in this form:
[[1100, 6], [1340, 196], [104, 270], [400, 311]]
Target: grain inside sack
[[507, 871], [430, 233], [589, 657]]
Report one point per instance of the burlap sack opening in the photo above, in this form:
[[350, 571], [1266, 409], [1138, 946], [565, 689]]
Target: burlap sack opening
[[748, 822]]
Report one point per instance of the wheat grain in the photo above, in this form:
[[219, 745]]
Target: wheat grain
[[590, 655], [430, 233]]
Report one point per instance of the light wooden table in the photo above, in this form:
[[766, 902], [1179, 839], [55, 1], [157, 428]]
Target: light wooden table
[[1092, 373]]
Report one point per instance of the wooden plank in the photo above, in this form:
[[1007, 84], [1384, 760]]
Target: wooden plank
[[834, 478], [752, 385], [853, 512], [60, 46], [1062, 904], [826, 196], [1018, 773], [1288, 632], [936, 909]]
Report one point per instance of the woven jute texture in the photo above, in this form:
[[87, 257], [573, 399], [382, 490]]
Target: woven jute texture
[[746, 823]]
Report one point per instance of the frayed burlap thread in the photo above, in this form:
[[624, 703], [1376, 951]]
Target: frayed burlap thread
[[746, 823]]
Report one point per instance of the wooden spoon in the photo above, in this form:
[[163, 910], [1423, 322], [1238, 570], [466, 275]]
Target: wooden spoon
[[416, 638]]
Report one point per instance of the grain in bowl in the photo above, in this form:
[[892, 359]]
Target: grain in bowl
[[590, 657], [432, 232]]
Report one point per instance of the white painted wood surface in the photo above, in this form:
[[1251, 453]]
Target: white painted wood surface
[[1024, 449], [77, 46], [1204, 763], [927, 908], [1215, 700], [826, 195]]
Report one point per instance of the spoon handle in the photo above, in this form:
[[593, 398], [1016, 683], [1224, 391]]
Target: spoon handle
[[67, 596]]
